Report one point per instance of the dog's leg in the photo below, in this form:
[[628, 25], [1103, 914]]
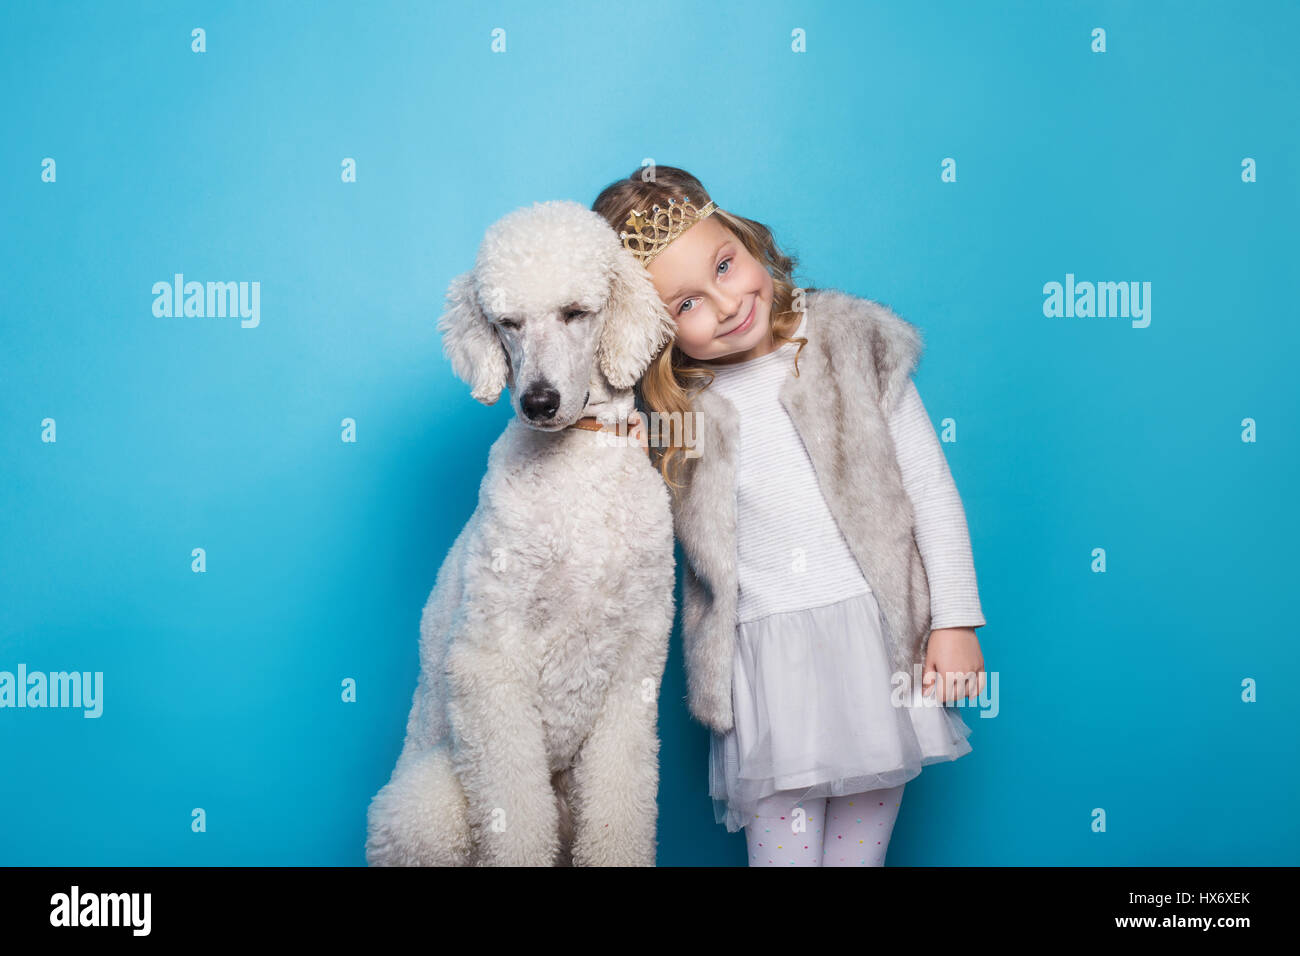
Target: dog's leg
[[616, 772], [418, 818], [499, 754]]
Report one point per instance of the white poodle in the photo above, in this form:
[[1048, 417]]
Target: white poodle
[[532, 736]]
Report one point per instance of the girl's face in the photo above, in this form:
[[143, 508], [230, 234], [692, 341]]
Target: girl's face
[[718, 294]]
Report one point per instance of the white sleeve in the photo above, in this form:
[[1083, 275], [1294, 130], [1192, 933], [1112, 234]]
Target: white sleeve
[[941, 533]]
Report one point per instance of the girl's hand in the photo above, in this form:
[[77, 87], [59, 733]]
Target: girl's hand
[[954, 653]]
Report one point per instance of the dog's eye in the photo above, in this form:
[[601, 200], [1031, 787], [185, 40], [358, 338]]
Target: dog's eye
[[508, 323], [571, 314]]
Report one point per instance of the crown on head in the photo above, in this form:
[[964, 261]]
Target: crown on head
[[655, 230]]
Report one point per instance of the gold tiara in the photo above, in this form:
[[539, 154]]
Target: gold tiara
[[653, 232]]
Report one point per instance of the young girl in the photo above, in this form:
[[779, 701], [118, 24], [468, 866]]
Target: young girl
[[791, 659]]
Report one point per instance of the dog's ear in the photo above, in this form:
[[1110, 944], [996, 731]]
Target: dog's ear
[[637, 325], [468, 339]]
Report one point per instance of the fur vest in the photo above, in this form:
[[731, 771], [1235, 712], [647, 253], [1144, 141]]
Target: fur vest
[[856, 364]]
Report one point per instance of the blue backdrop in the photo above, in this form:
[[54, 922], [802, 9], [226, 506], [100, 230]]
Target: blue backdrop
[[948, 159]]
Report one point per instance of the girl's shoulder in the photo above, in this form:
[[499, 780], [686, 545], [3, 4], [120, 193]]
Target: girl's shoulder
[[873, 335], [849, 313]]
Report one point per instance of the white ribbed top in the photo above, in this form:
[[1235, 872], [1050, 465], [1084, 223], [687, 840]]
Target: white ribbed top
[[790, 552]]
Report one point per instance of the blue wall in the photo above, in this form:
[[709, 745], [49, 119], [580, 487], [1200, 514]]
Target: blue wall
[[1119, 690]]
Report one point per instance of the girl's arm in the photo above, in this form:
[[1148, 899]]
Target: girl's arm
[[941, 533]]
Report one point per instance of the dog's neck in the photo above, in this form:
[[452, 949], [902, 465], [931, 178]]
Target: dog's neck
[[607, 404], [612, 413]]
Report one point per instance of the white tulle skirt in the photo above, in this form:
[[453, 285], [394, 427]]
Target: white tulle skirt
[[815, 711]]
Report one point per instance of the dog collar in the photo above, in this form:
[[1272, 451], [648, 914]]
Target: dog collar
[[592, 424]]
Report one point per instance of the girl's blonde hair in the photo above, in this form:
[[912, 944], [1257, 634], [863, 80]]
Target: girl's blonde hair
[[673, 378]]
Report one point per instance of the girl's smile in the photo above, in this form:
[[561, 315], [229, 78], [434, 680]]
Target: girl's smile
[[719, 295], [749, 320]]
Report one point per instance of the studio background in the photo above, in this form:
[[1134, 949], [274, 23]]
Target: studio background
[[1120, 691]]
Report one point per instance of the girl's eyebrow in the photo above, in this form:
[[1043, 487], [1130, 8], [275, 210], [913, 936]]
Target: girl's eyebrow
[[714, 256]]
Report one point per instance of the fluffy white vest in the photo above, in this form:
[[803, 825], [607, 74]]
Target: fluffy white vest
[[856, 364]]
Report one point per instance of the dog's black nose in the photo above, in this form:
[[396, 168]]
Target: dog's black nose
[[540, 401]]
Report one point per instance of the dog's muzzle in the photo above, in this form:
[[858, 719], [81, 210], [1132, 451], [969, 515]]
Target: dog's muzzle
[[540, 402]]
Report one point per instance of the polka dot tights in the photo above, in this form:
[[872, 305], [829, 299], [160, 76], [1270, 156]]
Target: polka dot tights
[[849, 830]]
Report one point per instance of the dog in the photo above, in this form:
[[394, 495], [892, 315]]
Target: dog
[[532, 737]]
